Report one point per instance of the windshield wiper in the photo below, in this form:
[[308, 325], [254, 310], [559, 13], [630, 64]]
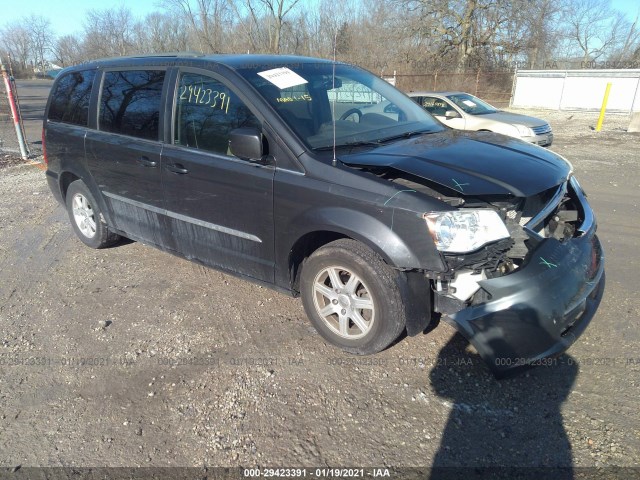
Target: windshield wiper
[[349, 144], [405, 135], [374, 143]]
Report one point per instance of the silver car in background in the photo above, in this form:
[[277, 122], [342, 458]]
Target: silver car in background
[[463, 111]]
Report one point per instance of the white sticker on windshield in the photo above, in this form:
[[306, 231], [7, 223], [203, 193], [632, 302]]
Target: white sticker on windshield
[[282, 77], [469, 103]]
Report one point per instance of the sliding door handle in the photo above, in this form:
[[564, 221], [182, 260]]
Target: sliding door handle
[[145, 162]]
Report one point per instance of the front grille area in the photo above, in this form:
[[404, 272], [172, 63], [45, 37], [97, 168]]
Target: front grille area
[[562, 217], [542, 129]]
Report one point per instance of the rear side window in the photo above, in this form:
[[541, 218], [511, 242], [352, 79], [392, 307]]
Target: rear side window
[[130, 103], [70, 98]]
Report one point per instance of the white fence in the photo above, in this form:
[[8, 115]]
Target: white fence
[[577, 89]]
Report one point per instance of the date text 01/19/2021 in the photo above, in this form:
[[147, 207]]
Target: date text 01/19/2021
[[315, 472]]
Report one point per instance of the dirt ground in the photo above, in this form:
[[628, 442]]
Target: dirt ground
[[129, 357]]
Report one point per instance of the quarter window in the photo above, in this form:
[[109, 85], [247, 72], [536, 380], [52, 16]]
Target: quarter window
[[130, 103], [70, 100], [206, 112]]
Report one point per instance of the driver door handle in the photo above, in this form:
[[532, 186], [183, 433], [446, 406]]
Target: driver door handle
[[176, 168]]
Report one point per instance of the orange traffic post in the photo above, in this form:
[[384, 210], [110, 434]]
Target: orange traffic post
[[14, 112]]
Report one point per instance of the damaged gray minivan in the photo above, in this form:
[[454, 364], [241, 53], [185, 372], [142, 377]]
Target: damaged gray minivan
[[274, 169]]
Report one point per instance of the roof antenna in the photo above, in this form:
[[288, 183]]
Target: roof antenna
[[334, 162]]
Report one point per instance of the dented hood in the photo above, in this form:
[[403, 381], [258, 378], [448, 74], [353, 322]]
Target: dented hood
[[472, 163]]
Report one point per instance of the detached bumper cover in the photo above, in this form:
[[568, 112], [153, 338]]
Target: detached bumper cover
[[539, 310]]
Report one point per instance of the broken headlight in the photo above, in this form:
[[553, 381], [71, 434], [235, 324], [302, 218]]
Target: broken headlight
[[463, 231]]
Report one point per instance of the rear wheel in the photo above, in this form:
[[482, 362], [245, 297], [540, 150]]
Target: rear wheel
[[86, 218], [352, 297]]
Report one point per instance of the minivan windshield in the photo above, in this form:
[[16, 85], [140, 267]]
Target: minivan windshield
[[471, 105], [316, 98]]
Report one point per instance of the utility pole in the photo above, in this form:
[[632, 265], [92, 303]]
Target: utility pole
[[14, 112]]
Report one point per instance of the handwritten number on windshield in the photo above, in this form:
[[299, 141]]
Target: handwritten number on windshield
[[205, 96]]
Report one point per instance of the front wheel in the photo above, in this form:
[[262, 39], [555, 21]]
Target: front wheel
[[352, 297], [86, 218]]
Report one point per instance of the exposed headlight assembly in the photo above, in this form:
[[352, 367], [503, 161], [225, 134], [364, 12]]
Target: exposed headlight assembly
[[462, 231]]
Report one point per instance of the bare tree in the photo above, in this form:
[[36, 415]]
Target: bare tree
[[631, 43], [16, 40], [209, 21], [68, 50], [278, 10], [273, 14], [461, 32], [377, 37], [336, 24], [592, 27], [411, 36], [542, 31], [109, 32], [41, 38], [161, 32]]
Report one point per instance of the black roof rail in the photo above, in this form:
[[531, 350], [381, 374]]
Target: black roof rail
[[152, 55]]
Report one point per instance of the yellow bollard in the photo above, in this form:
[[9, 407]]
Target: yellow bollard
[[604, 107]]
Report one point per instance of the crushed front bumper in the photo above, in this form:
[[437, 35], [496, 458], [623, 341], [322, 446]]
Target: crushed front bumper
[[539, 310]]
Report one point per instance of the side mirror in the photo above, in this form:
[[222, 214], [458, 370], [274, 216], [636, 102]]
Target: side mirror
[[246, 143], [391, 108], [449, 114]]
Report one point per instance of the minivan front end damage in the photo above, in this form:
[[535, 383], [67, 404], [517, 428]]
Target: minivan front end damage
[[522, 300], [523, 268]]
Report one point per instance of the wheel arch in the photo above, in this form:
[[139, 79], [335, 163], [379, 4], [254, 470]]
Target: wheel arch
[[386, 242], [304, 247], [68, 176], [414, 287], [345, 223], [391, 233], [66, 179]]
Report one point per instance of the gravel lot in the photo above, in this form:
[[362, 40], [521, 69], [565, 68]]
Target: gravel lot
[[131, 357]]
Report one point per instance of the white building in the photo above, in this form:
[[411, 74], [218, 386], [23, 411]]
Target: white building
[[577, 89]]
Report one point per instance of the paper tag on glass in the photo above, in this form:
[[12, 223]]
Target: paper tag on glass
[[282, 77]]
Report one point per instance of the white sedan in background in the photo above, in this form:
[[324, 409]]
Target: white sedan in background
[[463, 111]]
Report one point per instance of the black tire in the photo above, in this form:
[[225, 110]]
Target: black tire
[[88, 221], [377, 285]]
